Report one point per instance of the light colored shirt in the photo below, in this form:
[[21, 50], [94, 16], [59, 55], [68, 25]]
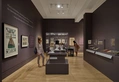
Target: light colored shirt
[[40, 49]]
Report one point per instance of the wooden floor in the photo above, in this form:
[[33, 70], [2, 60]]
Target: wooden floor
[[79, 71]]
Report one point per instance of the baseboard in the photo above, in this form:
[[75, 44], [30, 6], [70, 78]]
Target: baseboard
[[16, 67]]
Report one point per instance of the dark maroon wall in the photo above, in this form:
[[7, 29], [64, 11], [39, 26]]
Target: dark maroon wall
[[26, 8], [65, 25], [87, 30], [106, 22], [105, 25], [0, 41]]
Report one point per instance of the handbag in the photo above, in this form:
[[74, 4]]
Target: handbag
[[35, 51]]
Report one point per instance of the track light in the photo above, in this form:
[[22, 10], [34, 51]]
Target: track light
[[58, 6]]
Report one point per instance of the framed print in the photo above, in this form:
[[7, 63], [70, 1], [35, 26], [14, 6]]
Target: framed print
[[71, 39], [63, 41], [113, 42], [24, 41], [52, 39], [10, 41], [89, 41], [47, 41], [101, 44], [52, 44]]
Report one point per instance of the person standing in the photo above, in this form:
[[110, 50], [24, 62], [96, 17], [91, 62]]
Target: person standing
[[40, 52], [76, 47]]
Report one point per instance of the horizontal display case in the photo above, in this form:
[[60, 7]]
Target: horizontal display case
[[104, 55], [91, 51], [57, 64]]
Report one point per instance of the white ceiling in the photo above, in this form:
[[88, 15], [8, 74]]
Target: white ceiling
[[72, 9]]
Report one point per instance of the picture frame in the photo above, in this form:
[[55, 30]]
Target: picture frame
[[112, 42], [24, 41], [63, 41], [10, 40], [71, 39], [52, 43], [47, 41], [101, 44], [89, 41]]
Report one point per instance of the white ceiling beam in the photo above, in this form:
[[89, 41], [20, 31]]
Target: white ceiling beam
[[82, 11], [94, 7], [76, 9], [59, 17]]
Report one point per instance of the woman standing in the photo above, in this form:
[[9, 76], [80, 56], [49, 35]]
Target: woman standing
[[40, 52], [76, 47]]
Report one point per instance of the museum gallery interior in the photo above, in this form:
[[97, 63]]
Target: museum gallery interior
[[93, 24]]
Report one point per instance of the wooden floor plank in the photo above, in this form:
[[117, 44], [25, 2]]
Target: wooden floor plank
[[79, 71]]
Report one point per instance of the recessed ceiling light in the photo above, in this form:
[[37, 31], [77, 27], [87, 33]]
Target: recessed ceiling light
[[61, 6], [58, 6]]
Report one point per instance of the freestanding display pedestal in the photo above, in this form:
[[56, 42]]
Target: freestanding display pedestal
[[57, 64]]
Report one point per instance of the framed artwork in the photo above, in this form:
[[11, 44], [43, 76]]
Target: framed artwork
[[101, 44], [89, 41], [24, 41], [113, 42], [52, 44], [10, 41], [71, 39], [52, 39], [31, 41], [47, 41], [63, 41]]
